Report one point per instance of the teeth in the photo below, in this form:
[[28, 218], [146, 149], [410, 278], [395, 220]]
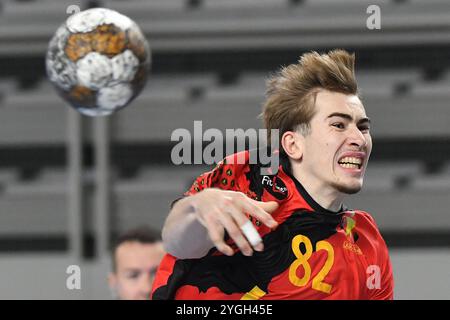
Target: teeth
[[349, 165], [350, 160]]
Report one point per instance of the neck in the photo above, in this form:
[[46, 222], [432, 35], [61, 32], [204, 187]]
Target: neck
[[326, 196]]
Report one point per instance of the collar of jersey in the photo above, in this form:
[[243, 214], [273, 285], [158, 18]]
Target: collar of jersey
[[311, 202]]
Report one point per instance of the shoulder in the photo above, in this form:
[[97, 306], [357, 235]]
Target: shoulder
[[365, 222], [224, 175], [232, 164], [365, 216]]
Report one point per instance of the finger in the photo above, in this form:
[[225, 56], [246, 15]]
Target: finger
[[235, 232], [252, 235], [254, 210], [216, 235], [269, 206], [241, 219]]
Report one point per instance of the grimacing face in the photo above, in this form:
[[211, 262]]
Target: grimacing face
[[136, 264], [337, 149]]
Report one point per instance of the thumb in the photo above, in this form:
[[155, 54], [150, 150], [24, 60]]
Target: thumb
[[269, 206]]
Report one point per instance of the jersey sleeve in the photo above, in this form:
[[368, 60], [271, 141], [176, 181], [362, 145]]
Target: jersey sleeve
[[224, 176], [388, 284], [385, 290]]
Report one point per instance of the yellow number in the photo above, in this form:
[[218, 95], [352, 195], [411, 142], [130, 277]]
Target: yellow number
[[318, 283], [302, 260]]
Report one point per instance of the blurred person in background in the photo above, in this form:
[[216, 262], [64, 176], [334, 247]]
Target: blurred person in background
[[135, 258]]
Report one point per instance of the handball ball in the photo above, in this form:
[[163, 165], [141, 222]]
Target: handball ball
[[98, 60]]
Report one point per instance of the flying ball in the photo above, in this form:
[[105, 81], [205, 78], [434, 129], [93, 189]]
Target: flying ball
[[98, 60]]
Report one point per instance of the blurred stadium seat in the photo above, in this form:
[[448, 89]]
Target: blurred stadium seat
[[173, 26]]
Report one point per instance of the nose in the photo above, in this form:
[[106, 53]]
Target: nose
[[357, 138]]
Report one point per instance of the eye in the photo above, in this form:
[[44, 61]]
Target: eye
[[153, 272], [364, 128], [339, 125], [133, 275]]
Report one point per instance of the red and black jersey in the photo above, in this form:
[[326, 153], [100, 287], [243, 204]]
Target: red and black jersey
[[314, 253]]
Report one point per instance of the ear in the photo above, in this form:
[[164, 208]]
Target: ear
[[293, 144]]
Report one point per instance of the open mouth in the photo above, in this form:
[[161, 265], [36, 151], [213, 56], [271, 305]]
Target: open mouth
[[351, 163]]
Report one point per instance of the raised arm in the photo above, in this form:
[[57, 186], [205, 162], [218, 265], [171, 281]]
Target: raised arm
[[198, 222]]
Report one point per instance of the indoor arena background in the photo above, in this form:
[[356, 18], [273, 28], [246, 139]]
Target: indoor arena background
[[69, 184]]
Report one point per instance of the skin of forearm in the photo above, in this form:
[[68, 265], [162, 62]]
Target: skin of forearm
[[183, 235]]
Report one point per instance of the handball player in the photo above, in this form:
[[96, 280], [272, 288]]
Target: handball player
[[239, 234]]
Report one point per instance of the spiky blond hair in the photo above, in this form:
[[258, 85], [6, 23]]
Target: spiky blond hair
[[291, 93]]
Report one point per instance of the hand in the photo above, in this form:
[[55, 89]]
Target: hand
[[219, 210]]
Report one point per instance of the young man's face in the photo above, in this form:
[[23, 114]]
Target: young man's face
[[136, 264], [338, 147]]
